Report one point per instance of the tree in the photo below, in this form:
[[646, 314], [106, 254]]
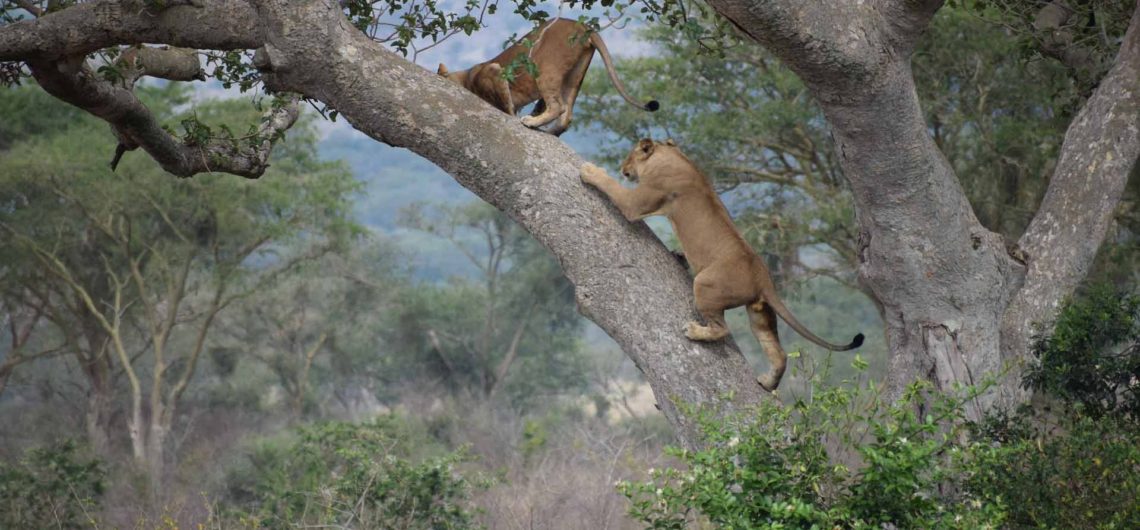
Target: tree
[[512, 327], [958, 303], [996, 109], [132, 270], [315, 314]]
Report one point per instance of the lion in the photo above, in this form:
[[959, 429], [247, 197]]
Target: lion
[[728, 273], [562, 52]]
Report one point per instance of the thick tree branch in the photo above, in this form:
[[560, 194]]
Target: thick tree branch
[[1100, 150], [91, 26]]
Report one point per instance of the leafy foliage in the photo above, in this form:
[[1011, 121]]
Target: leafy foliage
[[1074, 471], [1077, 466], [54, 486], [354, 474], [844, 458], [1092, 357], [1092, 30], [130, 269]]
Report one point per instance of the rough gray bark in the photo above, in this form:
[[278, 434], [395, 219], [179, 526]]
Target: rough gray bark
[[1101, 148], [945, 282], [625, 280]]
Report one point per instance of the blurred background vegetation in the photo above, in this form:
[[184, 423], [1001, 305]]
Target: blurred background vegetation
[[353, 341]]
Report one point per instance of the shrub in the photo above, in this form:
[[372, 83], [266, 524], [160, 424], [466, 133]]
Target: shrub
[[843, 459], [1092, 357], [345, 474], [53, 486], [1077, 473], [1077, 466], [847, 459]]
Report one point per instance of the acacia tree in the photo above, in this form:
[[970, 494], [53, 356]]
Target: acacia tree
[[128, 273], [957, 302], [512, 327], [298, 327]]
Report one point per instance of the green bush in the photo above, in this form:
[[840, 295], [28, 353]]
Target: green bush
[[842, 459], [353, 475], [52, 487], [1074, 473], [1092, 357], [1078, 465]]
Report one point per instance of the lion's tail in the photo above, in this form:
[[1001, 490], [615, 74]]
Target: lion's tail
[[773, 299], [598, 43]]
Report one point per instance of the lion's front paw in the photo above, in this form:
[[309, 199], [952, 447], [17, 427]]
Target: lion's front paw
[[592, 174], [694, 331]]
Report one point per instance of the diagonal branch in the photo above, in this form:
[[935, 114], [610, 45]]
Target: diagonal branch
[[1101, 148]]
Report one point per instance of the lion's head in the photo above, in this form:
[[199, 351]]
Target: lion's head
[[641, 155], [484, 80]]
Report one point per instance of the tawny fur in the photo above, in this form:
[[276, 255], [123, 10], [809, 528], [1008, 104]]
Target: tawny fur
[[562, 52], [728, 272]]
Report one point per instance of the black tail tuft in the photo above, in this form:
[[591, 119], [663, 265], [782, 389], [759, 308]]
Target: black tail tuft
[[857, 341], [652, 106]]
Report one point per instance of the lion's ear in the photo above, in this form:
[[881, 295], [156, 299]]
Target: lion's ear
[[645, 145], [442, 69], [670, 142], [495, 69]]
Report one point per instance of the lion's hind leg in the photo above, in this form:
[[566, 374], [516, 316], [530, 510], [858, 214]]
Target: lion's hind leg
[[714, 294], [763, 322], [551, 98], [571, 86]]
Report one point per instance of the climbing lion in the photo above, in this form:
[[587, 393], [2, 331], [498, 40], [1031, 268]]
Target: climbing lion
[[562, 52], [728, 272]]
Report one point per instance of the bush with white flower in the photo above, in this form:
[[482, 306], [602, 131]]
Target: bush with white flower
[[841, 458]]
